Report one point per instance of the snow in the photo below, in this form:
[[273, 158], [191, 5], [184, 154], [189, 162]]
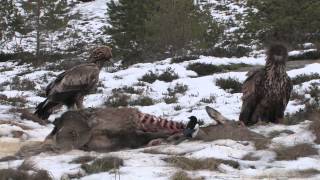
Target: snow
[[143, 165], [139, 164]]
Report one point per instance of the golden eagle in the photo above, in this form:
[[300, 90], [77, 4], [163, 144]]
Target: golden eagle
[[266, 91], [70, 87]]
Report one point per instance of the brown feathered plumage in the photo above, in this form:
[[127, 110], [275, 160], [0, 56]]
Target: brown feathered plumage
[[266, 92], [70, 87]]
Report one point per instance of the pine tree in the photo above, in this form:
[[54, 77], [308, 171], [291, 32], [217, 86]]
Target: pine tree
[[291, 22], [10, 20], [181, 25], [127, 20], [45, 17]]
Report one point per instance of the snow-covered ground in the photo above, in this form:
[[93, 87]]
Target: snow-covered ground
[[138, 164]]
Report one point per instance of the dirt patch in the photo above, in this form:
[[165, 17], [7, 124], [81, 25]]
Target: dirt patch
[[294, 152], [234, 131], [199, 164]]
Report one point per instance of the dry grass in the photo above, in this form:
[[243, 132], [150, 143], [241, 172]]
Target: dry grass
[[199, 164], [15, 101], [294, 152], [26, 114], [274, 134], [181, 175], [102, 165], [13, 174], [315, 126], [250, 157]]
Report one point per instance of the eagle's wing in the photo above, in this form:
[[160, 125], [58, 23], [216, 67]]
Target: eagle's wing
[[288, 88], [252, 90], [80, 78]]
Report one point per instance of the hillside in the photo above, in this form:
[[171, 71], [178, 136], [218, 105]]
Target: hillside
[[174, 88], [190, 101]]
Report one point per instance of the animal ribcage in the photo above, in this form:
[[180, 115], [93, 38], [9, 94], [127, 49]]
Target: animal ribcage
[[150, 123]]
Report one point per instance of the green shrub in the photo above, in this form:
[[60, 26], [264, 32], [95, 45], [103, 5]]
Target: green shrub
[[149, 77], [117, 100], [309, 55], [208, 100], [229, 84], [203, 69], [170, 99], [180, 59], [128, 89], [299, 79], [168, 75], [142, 101]]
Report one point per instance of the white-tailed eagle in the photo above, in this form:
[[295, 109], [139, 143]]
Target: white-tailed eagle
[[266, 92]]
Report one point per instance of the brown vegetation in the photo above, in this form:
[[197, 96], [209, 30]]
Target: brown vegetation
[[181, 175], [199, 164], [294, 152], [103, 165]]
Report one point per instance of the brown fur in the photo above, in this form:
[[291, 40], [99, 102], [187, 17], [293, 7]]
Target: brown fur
[[266, 92]]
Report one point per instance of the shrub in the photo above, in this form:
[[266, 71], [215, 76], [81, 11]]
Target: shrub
[[16, 101], [149, 77], [142, 101], [177, 108], [170, 99], [128, 89], [232, 51], [117, 100], [203, 69], [22, 85], [208, 100], [309, 55], [294, 152], [181, 175], [229, 84], [180, 88], [102, 165], [304, 78], [168, 75], [180, 59], [199, 164]]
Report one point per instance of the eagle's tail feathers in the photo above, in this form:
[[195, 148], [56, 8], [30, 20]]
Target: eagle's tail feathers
[[44, 109]]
